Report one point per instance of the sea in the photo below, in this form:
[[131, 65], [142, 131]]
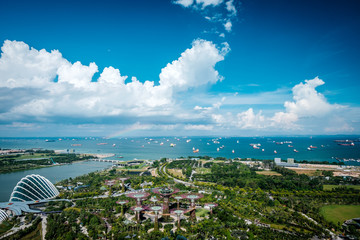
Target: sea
[[338, 148], [322, 148]]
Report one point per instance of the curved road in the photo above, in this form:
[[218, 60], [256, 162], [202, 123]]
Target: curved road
[[162, 169]]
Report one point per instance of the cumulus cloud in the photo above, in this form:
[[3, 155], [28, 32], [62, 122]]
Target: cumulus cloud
[[38, 87], [112, 75], [24, 67], [76, 94], [197, 61], [76, 74], [244, 120], [307, 103]]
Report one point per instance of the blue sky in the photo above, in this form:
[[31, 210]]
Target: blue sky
[[185, 67]]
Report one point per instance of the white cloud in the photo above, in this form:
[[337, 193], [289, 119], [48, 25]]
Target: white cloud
[[206, 3], [228, 26], [185, 3], [345, 128], [111, 75], [77, 95], [195, 67], [76, 74], [310, 108], [250, 120], [230, 7], [222, 12], [21, 66], [308, 102], [29, 75], [199, 127], [198, 3], [243, 120], [285, 120]]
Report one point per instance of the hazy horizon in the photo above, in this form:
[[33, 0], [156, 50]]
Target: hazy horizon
[[179, 67]]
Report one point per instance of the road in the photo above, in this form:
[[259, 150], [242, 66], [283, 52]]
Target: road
[[162, 169]]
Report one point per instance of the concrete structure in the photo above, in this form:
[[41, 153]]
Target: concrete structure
[[192, 197], [166, 194], [289, 163], [33, 187], [3, 216], [123, 183]]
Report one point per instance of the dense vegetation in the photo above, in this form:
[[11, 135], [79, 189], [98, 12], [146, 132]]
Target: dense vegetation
[[34, 159], [250, 205]]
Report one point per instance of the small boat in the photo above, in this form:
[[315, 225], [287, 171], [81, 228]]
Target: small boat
[[172, 145], [311, 146], [255, 144], [262, 150], [101, 143], [346, 144], [296, 150], [196, 151], [233, 151], [290, 145], [47, 140], [309, 149], [161, 143], [275, 151], [218, 149], [114, 145], [76, 145], [189, 140]]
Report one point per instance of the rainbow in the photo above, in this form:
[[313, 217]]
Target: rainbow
[[125, 131]]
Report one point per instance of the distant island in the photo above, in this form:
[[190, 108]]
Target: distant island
[[12, 160]]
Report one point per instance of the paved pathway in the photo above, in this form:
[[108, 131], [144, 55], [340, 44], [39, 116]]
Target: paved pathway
[[43, 225]]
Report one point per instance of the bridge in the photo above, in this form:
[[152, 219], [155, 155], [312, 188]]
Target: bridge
[[105, 160]]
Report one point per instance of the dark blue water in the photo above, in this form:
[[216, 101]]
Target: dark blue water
[[56, 173], [151, 148]]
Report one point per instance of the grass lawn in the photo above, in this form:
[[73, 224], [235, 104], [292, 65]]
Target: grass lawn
[[26, 156], [308, 172], [203, 170], [176, 172], [202, 212], [330, 187], [268, 173], [340, 213]]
